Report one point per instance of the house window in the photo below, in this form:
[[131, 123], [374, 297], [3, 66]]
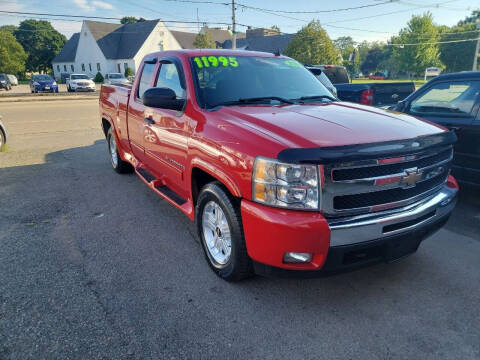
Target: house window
[[72, 67], [90, 66], [119, 68], [125, 66], [58, 68], [83, 67], [65, 68], [98, 67]]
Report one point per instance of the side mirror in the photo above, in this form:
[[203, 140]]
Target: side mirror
[[400, 106], [163, 98]]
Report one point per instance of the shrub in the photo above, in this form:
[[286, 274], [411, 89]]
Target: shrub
[[98, 78], [128, 72]]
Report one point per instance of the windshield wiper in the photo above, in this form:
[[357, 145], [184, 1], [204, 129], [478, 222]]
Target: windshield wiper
[[316, 97], [253, 100]]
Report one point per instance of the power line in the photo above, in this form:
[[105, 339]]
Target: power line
[[315, 11]]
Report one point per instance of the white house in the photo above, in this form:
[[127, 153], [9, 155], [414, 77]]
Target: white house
[[105, 47]]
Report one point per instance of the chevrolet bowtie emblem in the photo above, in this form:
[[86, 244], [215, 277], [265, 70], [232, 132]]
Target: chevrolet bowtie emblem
[[412, 177]]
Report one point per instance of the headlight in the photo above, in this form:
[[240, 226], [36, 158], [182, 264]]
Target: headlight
[[2, 81], [36, 83], [285, 185], [54, 83]]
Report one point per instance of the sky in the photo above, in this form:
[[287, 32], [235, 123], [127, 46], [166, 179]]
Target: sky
[[378, 22]]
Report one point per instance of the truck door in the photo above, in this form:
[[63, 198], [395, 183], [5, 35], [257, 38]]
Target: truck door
[[136, 109], [168, 131], [454, 104]]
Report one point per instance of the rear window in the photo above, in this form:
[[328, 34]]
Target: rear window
[[337, 75]]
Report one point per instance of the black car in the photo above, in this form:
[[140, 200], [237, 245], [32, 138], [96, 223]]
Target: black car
[[453, 100], [4, 82]]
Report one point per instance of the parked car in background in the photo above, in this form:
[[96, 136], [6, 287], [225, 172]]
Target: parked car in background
[[453, 100], [3, 134], [80, 82], [377, 94], [64, 77], [336, 74], [320, 75], [377, 76], [13, 79], [43, 83], [5, 83], [279, 175], [116, 79]]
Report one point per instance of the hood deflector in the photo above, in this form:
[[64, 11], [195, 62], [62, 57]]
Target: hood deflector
[[335, 154]]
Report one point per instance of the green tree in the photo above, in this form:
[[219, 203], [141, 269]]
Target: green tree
[[99, 78], [457, 56], [131, 20], [204, 41], [41, 42], [312, 45], [276, 28], [372, 61], [12, 55], [128, 72], [423, 32], [350, 56], [9, 28]]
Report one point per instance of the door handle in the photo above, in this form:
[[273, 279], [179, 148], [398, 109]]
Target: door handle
[[149, 121]]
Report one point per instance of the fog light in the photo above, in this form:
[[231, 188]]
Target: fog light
[[294, 257]]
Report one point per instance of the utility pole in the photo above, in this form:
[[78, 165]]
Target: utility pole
[[477, 49], [234, 29]]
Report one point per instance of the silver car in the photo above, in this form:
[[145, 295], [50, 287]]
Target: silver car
[[116, 79]]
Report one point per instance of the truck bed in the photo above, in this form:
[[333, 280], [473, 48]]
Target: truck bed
[[384, 94]]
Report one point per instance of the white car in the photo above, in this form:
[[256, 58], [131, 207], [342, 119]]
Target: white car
[[13, 79], [80, 82], [116, 79]]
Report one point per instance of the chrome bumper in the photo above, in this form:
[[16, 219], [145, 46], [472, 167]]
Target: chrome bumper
[[358, 229]]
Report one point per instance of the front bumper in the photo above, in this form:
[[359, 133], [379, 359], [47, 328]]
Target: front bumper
[[340, 244], [83, 88], [47, 88]]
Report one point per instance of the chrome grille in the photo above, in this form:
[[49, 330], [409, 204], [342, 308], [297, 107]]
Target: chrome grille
[[373, 185]]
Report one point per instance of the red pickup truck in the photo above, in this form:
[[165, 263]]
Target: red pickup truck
[[280, 177]]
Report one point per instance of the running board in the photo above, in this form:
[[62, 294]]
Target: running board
[[163, 189]]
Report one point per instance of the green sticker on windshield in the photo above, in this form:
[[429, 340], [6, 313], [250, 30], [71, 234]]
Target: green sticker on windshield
[[293, 63], [215, 61]]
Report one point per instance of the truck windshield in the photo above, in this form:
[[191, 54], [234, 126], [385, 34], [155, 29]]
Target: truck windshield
[[242, 80]]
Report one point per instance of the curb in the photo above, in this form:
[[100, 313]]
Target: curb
[[12, 99]]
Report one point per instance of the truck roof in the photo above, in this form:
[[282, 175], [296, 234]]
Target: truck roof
[[219, 52], [459, 75]]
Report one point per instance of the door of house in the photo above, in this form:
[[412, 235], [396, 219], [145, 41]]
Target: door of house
[[118, 67]]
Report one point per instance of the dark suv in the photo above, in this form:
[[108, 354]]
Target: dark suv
[[5, 83], [453, 100]]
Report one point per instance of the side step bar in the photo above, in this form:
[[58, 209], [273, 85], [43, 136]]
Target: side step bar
[[163, 189]]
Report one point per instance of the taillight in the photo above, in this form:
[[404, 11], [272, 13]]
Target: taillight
[[367, 97]]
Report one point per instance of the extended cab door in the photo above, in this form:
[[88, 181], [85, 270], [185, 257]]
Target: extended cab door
[[136, 109], [454, 104], [168, 131]]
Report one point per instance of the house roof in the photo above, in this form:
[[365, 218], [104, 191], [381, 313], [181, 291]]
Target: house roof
[[262, 43], [221, 35], [69, 50], [123, 41], [185, 39]]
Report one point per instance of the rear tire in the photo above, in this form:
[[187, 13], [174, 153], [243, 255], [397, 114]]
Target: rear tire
[[2, 140], [220, 229], [120, 166]]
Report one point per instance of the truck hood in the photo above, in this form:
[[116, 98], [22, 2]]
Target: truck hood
[[332, 124]]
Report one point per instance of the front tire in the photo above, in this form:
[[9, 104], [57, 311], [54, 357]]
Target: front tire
[[220, 229], [120, 166], [2, 140]]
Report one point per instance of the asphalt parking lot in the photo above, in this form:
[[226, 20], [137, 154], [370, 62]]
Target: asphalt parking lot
[[94, 265]]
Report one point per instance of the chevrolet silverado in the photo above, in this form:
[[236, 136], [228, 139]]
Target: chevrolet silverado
[[280, 177]]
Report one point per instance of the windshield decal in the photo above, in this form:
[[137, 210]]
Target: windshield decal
[[215, 61]]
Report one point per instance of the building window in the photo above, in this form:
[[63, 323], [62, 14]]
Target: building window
[[83, 67], [125, 66], [90, 66], [119, 68], [58, 68], [72, 67], [65, 68], [98, 67]]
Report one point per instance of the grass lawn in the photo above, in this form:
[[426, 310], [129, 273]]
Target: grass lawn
[[418, 83]]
